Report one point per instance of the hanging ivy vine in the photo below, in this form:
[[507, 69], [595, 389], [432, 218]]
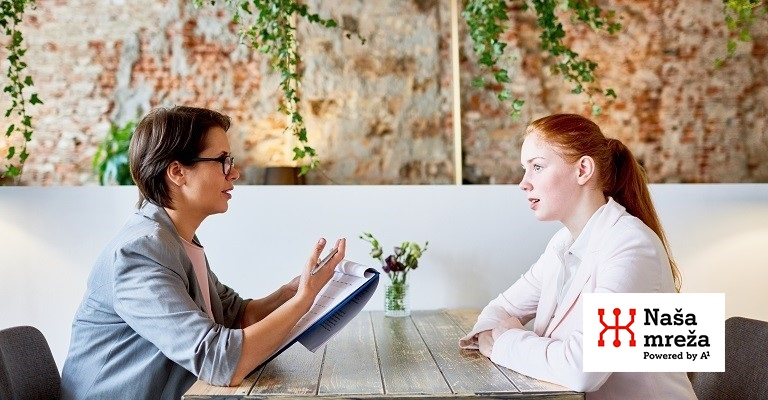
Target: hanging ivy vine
[[487, 21], [740, 16], [269, 26], [11, 14]]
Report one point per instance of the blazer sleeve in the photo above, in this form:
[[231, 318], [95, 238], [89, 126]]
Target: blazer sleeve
[[151, 295], [628, 260], [519, 301], [233, 306]]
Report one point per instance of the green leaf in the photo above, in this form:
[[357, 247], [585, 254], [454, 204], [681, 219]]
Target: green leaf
[[486, 59], [744, 36], [298, 153], [12, 171], [501, 76]]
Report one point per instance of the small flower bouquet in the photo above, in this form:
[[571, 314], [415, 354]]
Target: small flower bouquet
[[396, 266]]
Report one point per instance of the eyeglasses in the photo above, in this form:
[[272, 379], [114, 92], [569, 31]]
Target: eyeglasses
[[227, 162]]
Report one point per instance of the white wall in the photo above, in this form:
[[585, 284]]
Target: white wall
[[481, 239]]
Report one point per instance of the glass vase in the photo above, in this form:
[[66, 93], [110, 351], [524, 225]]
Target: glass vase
[[397, 300]]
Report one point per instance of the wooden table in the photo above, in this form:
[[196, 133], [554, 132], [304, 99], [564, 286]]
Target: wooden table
[[376, 357]]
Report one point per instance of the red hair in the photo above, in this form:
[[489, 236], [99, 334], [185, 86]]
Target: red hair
[[619, 174]]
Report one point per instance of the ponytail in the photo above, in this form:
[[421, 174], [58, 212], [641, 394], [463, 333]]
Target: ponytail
[[628, 185]]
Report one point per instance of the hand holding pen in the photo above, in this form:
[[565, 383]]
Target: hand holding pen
[[320, 264], [319, 271]]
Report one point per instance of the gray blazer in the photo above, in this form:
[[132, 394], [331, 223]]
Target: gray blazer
[[141, 331]]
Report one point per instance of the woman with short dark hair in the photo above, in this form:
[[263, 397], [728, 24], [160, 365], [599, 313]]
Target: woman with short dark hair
[[154, 317]]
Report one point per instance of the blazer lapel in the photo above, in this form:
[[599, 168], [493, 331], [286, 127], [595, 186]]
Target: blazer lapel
[[572, 295], [159, 215], [610, 215]]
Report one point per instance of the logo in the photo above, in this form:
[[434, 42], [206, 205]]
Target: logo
[[616, 327], [653, 332]]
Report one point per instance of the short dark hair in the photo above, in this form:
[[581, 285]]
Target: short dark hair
[[163, 136]]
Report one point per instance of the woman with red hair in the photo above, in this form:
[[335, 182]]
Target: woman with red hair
[[611, 242]]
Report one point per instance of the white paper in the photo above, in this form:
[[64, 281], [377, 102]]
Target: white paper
[[348, 278]]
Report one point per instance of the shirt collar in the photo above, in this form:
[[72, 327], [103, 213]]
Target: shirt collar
[[579, 246]]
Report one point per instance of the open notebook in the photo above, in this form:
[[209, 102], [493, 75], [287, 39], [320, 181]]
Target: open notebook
[[342, 298]]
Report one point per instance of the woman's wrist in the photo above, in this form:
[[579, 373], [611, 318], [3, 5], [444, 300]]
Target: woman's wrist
[[286, 293], [296, 306]]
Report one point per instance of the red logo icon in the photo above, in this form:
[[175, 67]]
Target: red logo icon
[[616, 327]]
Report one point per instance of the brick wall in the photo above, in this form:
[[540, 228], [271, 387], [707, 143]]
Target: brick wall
[[380, 112]]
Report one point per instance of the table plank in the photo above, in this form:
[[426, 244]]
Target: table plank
[[351, 362], [467, 371], [407, 367], [295, 371], [464, 318]]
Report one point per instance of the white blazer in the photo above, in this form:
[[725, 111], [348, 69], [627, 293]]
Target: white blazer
[[622, 255]]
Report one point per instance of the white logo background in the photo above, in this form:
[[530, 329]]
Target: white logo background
[[708, 309]]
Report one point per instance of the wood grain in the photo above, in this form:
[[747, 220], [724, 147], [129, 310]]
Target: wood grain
[[466, 371], [294, 372], [407, 366], [378, 357], [351, 362]]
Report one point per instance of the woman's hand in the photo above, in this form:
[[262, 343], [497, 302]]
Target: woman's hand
[[486, 339], [505, 325], [485, 343], [263, 337], [309, 285]]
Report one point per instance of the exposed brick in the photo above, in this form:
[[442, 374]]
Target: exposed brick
[[381, 112]]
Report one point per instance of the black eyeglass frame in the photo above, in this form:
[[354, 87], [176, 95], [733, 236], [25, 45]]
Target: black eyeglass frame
[[221, 159]]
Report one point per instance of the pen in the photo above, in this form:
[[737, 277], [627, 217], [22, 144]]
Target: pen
[[324, 261]]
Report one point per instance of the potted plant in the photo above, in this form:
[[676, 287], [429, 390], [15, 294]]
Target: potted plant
[[111, 159]]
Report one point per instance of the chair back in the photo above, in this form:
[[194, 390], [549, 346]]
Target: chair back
[[27, 368], [746, 364]]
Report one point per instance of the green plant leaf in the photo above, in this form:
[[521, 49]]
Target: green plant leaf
[[11, 16], [486, 21], [111, 161], [272, 31]]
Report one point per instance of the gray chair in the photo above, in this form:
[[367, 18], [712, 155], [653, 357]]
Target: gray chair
[[27, 368], [746, 364]]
